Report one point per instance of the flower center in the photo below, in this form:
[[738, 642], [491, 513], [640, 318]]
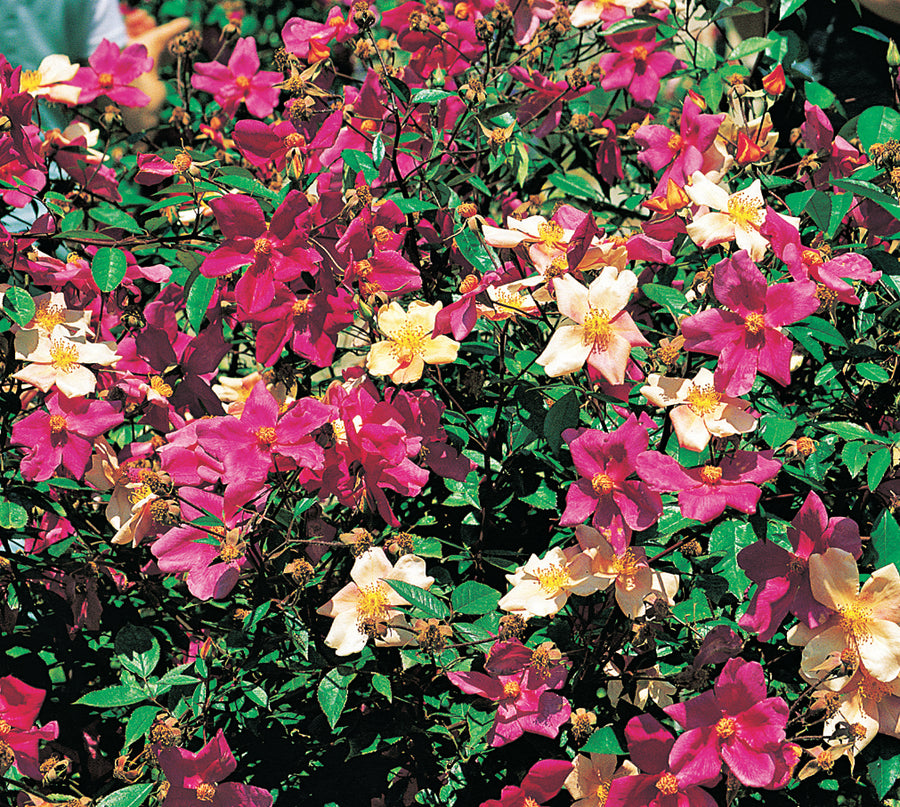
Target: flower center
[[293, 140], [825, 760], [63, 356], [552, 578], [182, 163], [602, 484], [602, 792], [243, 82], [140, 493], [796, 565], [558, 267], [754, 323], [703, 400], [230, 552], [640, 53], [408, 342], [745, 211], [676, 141], [468, 283], [106, 80], [265, 436], [57, 424], [301, 306], [48, 316], [372, 604], [667, 784], [710, 474], [812, 257], [511, 689], [160, 387], [806, 446], [626, 564], [854, 620], [5, 728], [726, 727], [206, 792], [364, 269], [30, 80], [262, 246], [597, 329], [873, 689], [550, 234]]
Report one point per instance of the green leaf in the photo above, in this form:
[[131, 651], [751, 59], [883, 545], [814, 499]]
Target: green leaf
[[413, 205], [247, 184], [465, 493], [728, 539], [823, 331], [420, 598], [18, 305], [258, 696], [112, 696], [873, 372], [886, 540], [850, 431], [108, 268], [12, 516], [562, 415], [573, 185], [879, 462], [706, 58], [474, 251], [382, 684], [602, 741], [71, 221], [788, 7], [869, 191], [819, 95], [139, 723], [798, 200], [877, 124], [131, 796], [855, 455], [137, 649], [378, 150], [401, 90], [430, 96], [474, 598], [107, 214], [332, 694], [818, 208], [883, 774], [197, 300], [753, 44], [826, 373], [542, 499], [666, 296], [777, 431]]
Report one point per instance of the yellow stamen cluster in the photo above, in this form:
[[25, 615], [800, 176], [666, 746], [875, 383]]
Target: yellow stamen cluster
[[63, 356], [552, 578], [301, 306], [806, 446], [511, 689], [710, 474], [230, 552], [48, 316], [30, 80], [262, 246], [182, 162], [597, 329], [640, 53], [266, 436], [372, 604], [754, 323], [676, 141], [408, 342], [626, 564], [558, 267], [106, 80], [854, 620], [745, 211], [57, 424], [602, 484], [160, 387], [703, 400], [243, 82], [726, 727], [667, 784], [550, 233], [206, 792]]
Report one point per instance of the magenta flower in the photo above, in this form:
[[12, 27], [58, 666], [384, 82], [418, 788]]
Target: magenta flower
[[748, 338], [264, 440], [111, 72], [637, 65], [521, 691], [274, 251], [660, 784], [681, 151], [279, 143], [806, 263], [605, 460], [734, 722], [197, 778], [213, 569], [63, 435], [20, 705], [782, 577], [542, 782], [240, 81], [528, 16], [705, 491], [543, 98]]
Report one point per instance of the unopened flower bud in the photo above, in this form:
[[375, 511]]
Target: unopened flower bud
[[893, 54]]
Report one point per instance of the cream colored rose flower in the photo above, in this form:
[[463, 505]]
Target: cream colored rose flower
[[409, 345], [367, 607], [700, 411], [543, 585], [591, 777], [51, 80]]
